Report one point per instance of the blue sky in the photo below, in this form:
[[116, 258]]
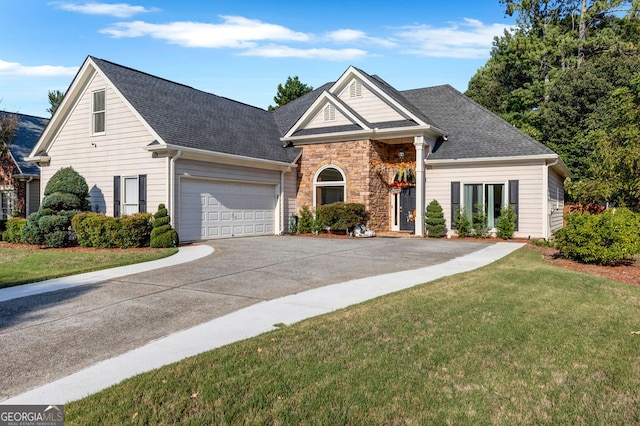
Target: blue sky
[[243, 49]]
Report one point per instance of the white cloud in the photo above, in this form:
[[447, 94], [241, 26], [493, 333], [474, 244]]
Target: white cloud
[[356, 36], [118, 10], [312, 53], [14, 68], [470, 39], [234, 32]]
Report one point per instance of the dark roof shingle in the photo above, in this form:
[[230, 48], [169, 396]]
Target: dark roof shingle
[[190, 118], [26, 136], [472, 130]]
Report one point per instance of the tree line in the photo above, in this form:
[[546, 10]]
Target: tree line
[[568, 74]]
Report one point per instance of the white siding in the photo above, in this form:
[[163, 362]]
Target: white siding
[[556, 201], [118, 152], [201, 169], [370, 106], [290, 191], [439, 178], [318, 120]]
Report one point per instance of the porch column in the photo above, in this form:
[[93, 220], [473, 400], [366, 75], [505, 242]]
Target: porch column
[[418, 142]]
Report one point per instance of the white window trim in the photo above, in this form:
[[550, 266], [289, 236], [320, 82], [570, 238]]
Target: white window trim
[[93, 113], [505, 202], [317, 184], [123, 195]]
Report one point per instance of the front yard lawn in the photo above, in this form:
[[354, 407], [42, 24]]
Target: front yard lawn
[[517, 342], [21, 266]]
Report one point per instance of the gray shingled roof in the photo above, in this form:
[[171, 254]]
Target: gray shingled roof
[[190, 118], [472, 130], [184, 116], [287, 115], [27, 134]]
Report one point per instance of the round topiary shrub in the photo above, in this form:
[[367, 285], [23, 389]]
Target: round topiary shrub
[[162, 234]]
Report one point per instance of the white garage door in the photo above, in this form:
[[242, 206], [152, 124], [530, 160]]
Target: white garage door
[[214, 209]]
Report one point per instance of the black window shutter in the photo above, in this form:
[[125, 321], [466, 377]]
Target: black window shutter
[[513, 199], [142, 193], [455, 202], [116, 196]]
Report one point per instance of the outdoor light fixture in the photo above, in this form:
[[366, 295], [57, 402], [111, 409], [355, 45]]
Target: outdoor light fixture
[[401, 154]]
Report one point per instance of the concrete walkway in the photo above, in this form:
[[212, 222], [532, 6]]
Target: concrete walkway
[[248, 322]]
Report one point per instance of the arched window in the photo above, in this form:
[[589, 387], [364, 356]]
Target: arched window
[[329, 186]]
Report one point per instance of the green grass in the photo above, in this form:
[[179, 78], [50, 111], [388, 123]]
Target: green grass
[[19, 266], [519, 341]]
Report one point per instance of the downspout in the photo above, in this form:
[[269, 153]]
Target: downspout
[[172, 187], [27, 203], [545, 204], [281, 204], [283, 212]]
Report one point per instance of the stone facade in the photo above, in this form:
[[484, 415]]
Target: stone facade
[[363, 184]]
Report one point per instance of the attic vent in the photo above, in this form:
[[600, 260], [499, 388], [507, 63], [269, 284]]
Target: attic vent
[[329, 113], [355, 89]]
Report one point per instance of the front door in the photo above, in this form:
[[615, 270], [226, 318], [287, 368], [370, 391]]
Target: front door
[[407, 207]]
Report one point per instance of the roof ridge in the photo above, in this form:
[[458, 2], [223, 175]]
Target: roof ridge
[[174, 82], [23, 115]]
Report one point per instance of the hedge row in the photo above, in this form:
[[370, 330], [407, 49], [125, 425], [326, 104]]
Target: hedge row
[[100, 231]]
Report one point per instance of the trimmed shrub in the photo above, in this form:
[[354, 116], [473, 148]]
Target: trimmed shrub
[[607, 238], [68, 181], [479, 222], [13, 232], [100, 231], [162, 234], [305, 221], [506, 223], [59, 201], [434, 221], [462, 222], [31, 233], [65, 195], [341, 216], [135, 230]]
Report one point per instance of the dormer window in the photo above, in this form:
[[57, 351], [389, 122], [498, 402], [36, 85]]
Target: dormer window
[[98, 111], [355, 89], [329, 113]]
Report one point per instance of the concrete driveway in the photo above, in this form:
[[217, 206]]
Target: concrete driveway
[[49, 336]]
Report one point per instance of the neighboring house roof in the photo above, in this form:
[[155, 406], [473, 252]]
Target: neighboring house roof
[[29, 130], [472, 130], [190, 118]]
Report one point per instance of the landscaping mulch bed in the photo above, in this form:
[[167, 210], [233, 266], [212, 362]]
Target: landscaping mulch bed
[[628, 273]]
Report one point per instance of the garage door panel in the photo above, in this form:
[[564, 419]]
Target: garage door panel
[[216, 209]]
